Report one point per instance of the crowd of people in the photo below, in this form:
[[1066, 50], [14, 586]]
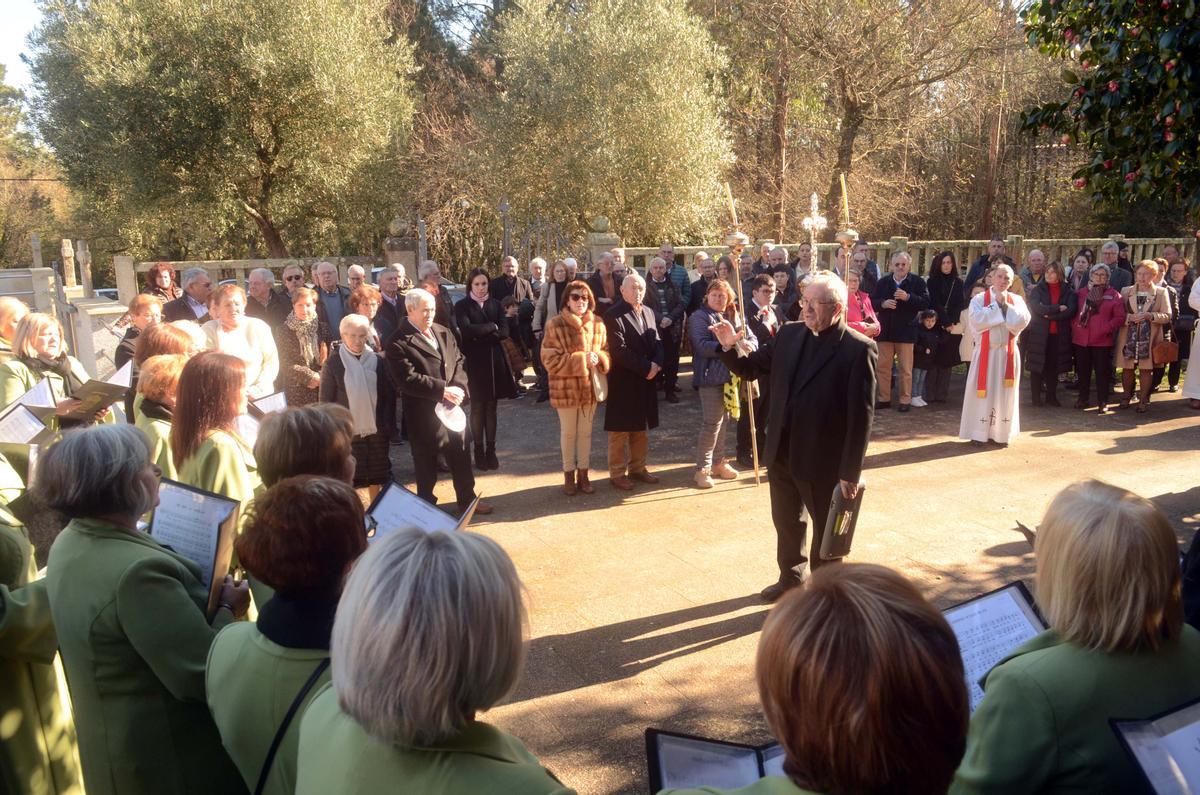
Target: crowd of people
[[342, 666]]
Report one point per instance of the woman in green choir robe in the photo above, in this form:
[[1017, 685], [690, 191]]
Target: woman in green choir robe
[[131, 624]]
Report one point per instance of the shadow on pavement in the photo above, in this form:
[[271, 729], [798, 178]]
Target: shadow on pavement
[[621, 650]]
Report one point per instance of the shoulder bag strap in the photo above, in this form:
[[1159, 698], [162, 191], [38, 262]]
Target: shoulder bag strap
[[285, 723]]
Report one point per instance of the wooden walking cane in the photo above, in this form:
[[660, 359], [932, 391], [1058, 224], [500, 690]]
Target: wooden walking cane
[[737, 241]]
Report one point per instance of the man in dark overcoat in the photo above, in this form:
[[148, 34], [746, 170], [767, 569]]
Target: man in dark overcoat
[[632, 407], [428, 368]]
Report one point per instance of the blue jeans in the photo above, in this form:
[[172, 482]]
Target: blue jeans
[[918, 387]]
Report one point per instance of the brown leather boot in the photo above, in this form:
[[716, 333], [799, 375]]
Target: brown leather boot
[[569, 483], [585, 485]]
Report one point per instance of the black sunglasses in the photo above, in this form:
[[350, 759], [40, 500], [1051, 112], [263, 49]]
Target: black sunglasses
[[578, 297], [293, 278]]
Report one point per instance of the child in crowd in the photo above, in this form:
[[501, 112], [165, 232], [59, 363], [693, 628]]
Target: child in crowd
[[513, 348], [929, 336]]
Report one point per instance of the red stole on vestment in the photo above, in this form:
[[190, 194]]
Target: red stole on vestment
[[985, 344]]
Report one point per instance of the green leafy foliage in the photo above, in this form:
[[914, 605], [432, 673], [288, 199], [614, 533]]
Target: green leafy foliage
[[607, 107], [274, 111], [1132, 74]]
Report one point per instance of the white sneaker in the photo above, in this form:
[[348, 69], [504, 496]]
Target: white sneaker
[[703, 479], [919, 403]]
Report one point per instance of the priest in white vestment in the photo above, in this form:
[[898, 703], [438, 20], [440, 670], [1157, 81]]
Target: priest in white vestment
[[995, 319], [1191, 385]]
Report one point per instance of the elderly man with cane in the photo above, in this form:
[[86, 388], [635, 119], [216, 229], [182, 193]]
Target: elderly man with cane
[[822, 381]]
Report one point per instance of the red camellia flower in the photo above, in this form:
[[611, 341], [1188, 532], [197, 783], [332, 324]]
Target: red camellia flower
[[1169, 66], [1108, 164], [1079, 92], [1130, 177], [1113, 85], [1169, 121], [1135, 31], [1066, 138], [1080, 183], [1165, 4], [1168, 136]]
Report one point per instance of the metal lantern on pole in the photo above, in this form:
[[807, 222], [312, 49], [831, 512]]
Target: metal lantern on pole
[[814, 224]]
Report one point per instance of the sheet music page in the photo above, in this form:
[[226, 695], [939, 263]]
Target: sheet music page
[[1181, 741], [773, 760], [124, 376], [41, 396], [270, 403], [1155, 759], [19, 426], [247, 428], [987, 630], [695, 763], [190, 523], [399, 508]]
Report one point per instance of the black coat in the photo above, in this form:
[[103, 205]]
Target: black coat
[[179, 309], [387, 318], [765, 340], [632, 400], [594, 281], [1036, 337], [443, 313], [123, 354], [333, 390], [946, 298], [421, 374], [482, 328], [827, 413], [278, 307], [899, 324], [925, 351]]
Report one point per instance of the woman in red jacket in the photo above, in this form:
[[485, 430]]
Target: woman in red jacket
[[1101, 314]]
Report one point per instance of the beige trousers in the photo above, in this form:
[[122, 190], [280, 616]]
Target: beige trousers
[[575, 436]]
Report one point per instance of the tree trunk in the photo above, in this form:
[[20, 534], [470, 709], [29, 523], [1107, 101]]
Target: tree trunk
[[779, 130], [852, 121], [268, 230]]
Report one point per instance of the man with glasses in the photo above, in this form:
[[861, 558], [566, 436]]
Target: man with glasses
[[869, 272], [264, 302], [662, 296], [293, 280], [898, 299], [676, 272], [822, 379], [193, 304]]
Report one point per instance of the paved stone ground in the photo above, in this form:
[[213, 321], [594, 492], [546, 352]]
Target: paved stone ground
[[644, 608]]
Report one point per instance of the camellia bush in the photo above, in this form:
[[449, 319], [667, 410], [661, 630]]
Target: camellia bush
[[1132, 87]]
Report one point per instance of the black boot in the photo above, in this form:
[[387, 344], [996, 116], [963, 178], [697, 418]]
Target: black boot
[[492, 461], [480, 458]]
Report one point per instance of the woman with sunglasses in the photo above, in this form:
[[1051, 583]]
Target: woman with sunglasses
[[573, 348]]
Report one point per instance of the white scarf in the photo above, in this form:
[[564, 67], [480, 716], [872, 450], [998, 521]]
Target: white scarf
[[362, 393]]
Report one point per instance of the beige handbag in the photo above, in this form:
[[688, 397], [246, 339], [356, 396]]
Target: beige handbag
[[599, 384]]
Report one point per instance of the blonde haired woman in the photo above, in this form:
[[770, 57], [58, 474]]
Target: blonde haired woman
[[1147, 313], [573, 347], [40, 352], [1108, 583], [429, 632]]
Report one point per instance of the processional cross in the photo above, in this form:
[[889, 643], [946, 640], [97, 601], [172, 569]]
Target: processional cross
[[814, 224]]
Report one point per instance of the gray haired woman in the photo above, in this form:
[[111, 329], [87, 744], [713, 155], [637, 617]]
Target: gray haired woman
[[131, 623], [429, 632], [355, 377]]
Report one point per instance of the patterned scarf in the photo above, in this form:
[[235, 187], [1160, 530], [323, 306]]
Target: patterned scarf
[[306, 334], [1137, 341], [985, 350]]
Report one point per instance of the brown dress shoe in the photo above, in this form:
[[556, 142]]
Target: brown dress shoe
[[644, 477], [585, 485], [777, 589], [621, 482], [483, 508]]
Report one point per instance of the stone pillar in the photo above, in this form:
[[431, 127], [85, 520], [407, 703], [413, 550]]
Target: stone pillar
[[600, 240], [127, 285], [84, 255], [68, 260], [35, 250], [400, 247]]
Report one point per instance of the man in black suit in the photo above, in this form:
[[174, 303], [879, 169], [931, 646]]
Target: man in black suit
[[819, 420], [428, 368], [333, 299], [391, 304], [765, 320], [193, 304], [262, 300]]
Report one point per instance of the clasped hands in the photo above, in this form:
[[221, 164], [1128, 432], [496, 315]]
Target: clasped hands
[[453, 395]]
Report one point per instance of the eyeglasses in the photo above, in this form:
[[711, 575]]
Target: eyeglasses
[[293, 278], [578, 297]]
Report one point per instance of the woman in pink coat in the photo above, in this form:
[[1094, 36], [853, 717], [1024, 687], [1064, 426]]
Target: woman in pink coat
[[1101, 314]]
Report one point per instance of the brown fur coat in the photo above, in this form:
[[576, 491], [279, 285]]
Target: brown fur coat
[[567, 342]]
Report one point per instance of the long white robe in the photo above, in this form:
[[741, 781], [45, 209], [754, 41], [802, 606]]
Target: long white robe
[[996, 416], [1191, 384]]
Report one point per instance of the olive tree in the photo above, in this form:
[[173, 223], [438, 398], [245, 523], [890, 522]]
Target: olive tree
[[268, 110]]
